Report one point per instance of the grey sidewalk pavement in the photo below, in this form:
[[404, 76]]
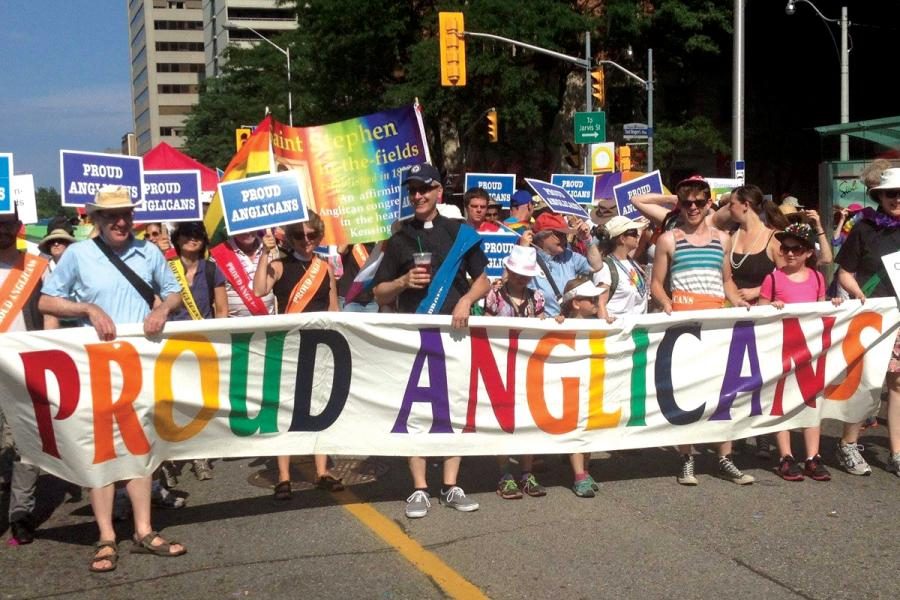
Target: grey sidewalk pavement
[[642, 537]]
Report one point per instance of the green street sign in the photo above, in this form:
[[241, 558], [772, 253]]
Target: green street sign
[[590, 127]]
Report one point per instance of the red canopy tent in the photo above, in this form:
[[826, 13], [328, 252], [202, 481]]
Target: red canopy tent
[[164, 157]]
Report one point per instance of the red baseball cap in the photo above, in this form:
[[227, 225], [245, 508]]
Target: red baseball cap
[[549, 221]]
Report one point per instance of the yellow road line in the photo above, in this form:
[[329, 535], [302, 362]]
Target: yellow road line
[[453, 584]]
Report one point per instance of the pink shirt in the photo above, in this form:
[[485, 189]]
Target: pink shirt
[[778, 286]]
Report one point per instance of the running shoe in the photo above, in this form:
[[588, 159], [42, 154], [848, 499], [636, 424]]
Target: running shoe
[[850, 458], [789, 470]]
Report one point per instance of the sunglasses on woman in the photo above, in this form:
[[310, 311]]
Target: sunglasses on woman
[[632, 233], [891, 194], [303, 235]]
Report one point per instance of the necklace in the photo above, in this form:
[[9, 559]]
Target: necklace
[[737, 265], [635, 275]]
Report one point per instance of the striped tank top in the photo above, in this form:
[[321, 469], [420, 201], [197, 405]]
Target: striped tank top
[[697, 269]]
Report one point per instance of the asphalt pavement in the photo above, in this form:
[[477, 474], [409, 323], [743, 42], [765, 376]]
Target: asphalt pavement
[[642, 537]]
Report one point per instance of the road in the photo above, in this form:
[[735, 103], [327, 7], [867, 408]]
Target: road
[[642, 537]]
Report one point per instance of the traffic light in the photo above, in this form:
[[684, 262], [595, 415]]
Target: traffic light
[[241, 135], [453, 49], [623, 155], [493, 131], [598, 87]]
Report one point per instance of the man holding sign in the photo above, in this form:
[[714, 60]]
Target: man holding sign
[[424, 271]]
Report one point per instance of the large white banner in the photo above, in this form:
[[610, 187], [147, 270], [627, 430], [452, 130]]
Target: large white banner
[[94, 412]]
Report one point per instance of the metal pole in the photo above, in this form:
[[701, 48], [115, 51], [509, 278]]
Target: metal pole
[[649, 109], [845, 85], [290, 100], [588, 99], [737, 85]]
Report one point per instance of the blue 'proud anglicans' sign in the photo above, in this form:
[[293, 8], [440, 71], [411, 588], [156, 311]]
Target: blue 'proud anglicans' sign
[[83, 174], [500, 186], [265, 201], [6, 174], [170, 196]]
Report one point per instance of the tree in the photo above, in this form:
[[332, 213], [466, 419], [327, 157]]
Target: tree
[[356, 57], [49, 204]]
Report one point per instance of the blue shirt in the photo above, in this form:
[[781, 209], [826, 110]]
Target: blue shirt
[[563, 268], [84, 274]]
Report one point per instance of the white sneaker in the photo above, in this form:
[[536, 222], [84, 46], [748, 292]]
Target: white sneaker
[[850, 457]]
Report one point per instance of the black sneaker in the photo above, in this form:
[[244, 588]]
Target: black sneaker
[[814, 469], [789, 470], [23, 529]]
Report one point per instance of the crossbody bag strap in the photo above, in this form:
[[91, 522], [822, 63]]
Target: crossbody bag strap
[[546, 270], [142, 287]]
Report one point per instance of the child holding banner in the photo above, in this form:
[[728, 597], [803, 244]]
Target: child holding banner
[[581, 300], [797, 281], [515, 299], [302, 282]]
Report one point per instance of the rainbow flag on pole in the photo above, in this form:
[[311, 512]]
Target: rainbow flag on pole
[[254, 158]]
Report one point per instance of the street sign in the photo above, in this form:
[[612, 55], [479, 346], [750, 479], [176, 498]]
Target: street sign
[[590, 127], [635, 131]]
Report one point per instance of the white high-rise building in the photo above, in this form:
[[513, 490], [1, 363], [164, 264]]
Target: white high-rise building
[[264, 16], [166, 67]]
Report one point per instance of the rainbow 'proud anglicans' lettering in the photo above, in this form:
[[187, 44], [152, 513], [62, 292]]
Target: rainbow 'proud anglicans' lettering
[[94, 412]]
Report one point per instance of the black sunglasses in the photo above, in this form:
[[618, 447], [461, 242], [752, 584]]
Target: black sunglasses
[[695, 203], [793, 249], [891, 194], [302, 235], [632, 233]]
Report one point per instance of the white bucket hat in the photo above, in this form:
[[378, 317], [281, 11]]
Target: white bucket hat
[[890, 180], [522, 261]]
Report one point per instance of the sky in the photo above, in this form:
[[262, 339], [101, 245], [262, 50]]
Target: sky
[[65, 79]]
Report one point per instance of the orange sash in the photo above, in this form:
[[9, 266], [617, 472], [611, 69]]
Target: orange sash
[[307, 287], [17, 289], [360, 255], [691, 301]]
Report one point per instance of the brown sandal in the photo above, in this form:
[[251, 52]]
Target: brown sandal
[[112, 557], [283, 490], [145, 546], [330, 483]]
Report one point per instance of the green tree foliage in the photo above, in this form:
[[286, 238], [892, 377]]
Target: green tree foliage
[[49, 204], [354, 57]]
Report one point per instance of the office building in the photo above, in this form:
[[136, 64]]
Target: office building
[[167, 67]]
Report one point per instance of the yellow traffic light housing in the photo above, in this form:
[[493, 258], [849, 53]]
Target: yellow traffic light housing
[[624, 156], [492, 128], [241, 135], [453, 49], [599, 87]]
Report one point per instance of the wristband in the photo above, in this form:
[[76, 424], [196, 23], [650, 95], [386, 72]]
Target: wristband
[[820, 233]]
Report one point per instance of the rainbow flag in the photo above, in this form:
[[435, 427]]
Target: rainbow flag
[[254, 158]]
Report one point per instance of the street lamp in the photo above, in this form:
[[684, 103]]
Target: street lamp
[[844, 56], [287, 54]]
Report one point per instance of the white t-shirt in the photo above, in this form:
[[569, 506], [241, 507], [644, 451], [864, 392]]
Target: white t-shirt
[[628, 297], [18, 324]]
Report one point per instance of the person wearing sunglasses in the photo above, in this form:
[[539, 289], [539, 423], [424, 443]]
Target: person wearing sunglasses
[[302, 283], [693, 253], [862, 273], [625, 280], [797, 280]]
